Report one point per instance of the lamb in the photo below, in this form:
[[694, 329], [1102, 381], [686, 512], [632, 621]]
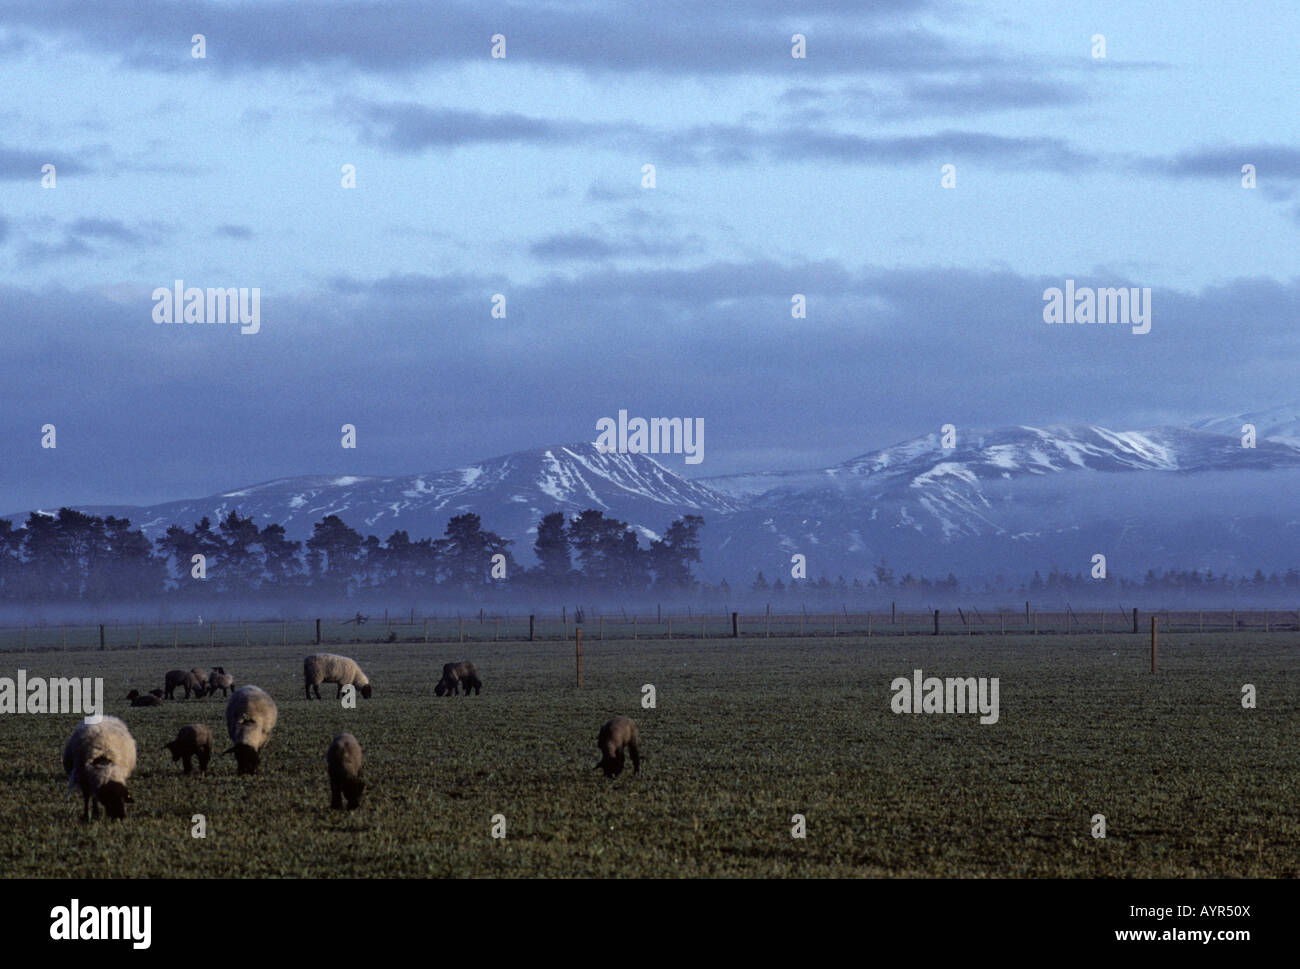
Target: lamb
[[181, 678], [616, 735], [219, 679], [201, 675], [144, 700], [344, 763], [99, 757], [454, 674], [250, 718], [193, 739], [339, 670]]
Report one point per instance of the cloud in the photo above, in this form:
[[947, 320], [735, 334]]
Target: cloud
[[18, 164], [234, 231], [1270, 161], [104, 229], [673, 37], [580, 246]]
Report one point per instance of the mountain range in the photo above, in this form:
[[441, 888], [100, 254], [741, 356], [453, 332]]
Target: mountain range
[[1006, 501]]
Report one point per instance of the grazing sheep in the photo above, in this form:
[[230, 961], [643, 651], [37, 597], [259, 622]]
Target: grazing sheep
[[201, 675], [139, 699], [192, 740], [454, 674], [99, 757], [344, 762], [616, 735], [182, 678], [250, 718], [219, 679], [339, 670]]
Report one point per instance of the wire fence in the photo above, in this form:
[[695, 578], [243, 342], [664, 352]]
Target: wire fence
[[524, 628]]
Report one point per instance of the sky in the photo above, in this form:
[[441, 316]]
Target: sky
[[523, 176]]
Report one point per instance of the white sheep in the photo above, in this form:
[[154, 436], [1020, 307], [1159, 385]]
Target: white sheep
[[344, 762], [329, 668], [250, 718], [98, 758]]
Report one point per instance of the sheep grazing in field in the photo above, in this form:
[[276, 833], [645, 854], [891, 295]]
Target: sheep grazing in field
[[616, 736], [192, 740], [219, 679], [344, 762], [250, 718], [185, 679], [99, 757], [339, 670], [139, 699], [456, 674], [201, 675]]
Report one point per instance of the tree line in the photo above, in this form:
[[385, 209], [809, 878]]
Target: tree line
[[76, 557]]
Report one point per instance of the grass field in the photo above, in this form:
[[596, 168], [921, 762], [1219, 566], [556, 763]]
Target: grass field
[[745, 734]]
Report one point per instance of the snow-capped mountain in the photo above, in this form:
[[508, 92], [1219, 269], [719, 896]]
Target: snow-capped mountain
[[510, 493], [1008, 501], [1023, 498], [1275, 424]]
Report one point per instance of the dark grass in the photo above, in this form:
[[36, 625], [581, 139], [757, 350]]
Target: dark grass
[[744, 736]]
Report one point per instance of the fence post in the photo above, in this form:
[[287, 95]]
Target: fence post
[[532, 626], [903, 616], [735, 625], [602, 629], [579, 652], [176, 636], [317, 632], [1135, 618], [670, 627], [212, 634], [284, 632], [936, 622], [834, 625], [868, 625], [1154, 620], [702, 635], [1234, 620], [1200, 620], [245, 632], [1035, 622], [65, 635], [1265, 620], [426, 629], [1026, 612], [892, 617], [101, 635], [460, 628], [801, 622], [139, 635], [634, 627]]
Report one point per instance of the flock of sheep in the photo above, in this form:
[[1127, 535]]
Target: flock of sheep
[[100, 755]]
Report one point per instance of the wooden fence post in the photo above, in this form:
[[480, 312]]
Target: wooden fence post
[[735, 625], [426, 629], [1154, 621], [1135, 618], [101, 635], [532, 626], [936, 622], [868, 625], [317, 632], [460, 628], [579, 653], [634, 627]]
